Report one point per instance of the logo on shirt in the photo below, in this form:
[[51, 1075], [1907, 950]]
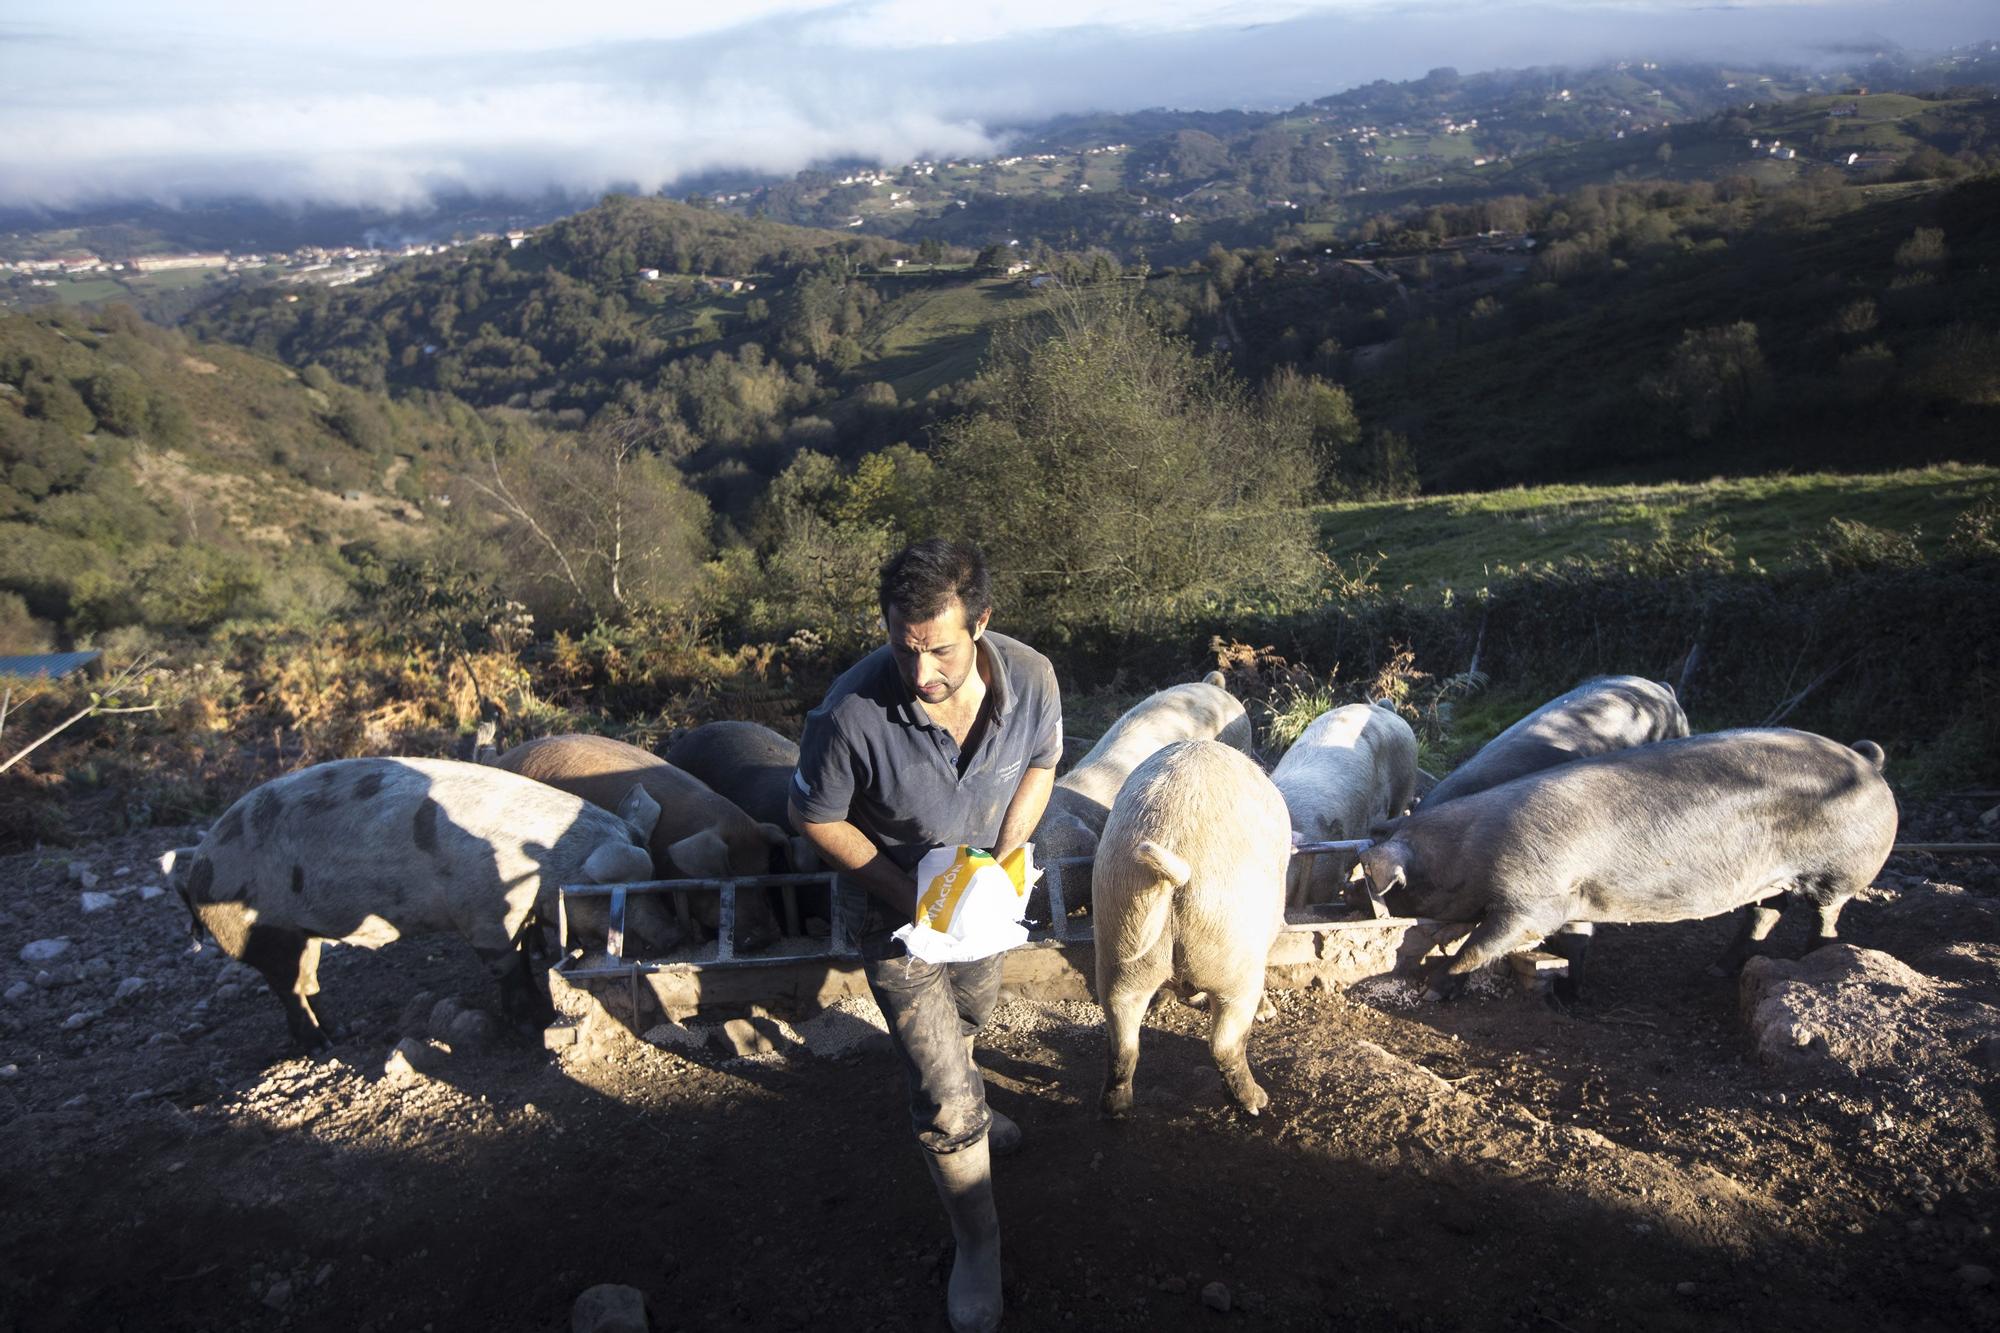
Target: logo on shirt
[[799, 781], [1010, 771]]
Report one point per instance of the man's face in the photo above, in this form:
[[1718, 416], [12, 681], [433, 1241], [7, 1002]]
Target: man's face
[[936, 656]]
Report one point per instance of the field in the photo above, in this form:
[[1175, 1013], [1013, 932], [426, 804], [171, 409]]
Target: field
[[1487, 1164], [934, 336], [1457, 541]]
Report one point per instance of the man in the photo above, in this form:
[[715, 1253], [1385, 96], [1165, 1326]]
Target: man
[[947, 736]]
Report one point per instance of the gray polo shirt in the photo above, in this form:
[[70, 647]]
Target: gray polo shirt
[[871, 756]]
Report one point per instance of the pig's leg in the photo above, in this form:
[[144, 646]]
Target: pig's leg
[[289, 960], [1501, 931], [1228, 1034], [1829, 915], [1130, 992], [1760, 921], [1572, 945], [522, 1004]]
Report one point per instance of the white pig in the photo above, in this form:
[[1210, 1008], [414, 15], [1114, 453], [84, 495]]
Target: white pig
[[1081, 799], [1352, 768], [1190, 877]]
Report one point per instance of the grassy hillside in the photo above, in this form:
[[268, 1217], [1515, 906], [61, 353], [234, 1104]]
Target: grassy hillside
[[1463, 541], [149, 479]]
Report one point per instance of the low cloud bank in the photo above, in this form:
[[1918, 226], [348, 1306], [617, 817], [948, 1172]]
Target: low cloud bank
[[179, 119]]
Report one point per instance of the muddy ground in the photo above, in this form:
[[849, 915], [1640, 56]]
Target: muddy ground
[[1491, 1163]]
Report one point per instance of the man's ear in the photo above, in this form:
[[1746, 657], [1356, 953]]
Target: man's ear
[[980, 628]]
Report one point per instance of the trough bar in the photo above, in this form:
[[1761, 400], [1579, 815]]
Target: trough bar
[[800, 975]]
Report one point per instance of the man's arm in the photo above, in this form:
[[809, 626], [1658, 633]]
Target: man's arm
[[852, 851], [1025, 810]]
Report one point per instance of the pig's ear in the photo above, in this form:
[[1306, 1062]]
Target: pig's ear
[[1381, 873], [618, 863], [640, 810], [1217, 679], [702, 855], [774, 835]]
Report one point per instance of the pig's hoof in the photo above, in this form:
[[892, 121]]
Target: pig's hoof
[[1266, 1011], [1116, 1103], [1250, 1097]]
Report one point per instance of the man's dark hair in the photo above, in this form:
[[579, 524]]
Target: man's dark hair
[[920, 581]]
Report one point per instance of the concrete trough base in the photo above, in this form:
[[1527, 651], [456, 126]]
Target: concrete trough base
[[1332, 954]]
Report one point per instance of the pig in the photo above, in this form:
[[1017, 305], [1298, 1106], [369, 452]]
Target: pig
[[1190, 878], [1352, 768], [365, 851], [1081, 799], [699, 834], [751, 765], [1601, 715], [1672, 831]]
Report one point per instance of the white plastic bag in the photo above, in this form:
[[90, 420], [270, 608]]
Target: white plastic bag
[[970, 906]]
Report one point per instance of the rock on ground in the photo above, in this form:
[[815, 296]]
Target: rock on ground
[[609, 1308], [1839, 1008]]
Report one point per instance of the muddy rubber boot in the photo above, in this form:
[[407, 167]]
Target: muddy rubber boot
[[964, 1181], [1003, 1136]]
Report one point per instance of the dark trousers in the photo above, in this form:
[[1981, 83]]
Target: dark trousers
[[931, 1009]]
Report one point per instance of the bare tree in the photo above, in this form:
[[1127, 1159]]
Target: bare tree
[[600, 517]]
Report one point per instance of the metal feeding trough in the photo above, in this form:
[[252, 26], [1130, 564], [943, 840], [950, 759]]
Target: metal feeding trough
[[802, 973]]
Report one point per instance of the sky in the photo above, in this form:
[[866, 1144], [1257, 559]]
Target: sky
[[391, 103]]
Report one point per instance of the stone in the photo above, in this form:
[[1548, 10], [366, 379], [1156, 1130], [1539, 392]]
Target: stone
[[609, 1308], [19, 989], [443, 1014], [740, 1036], [82, 1018], [1991, 819], [228, 990], [1985, 1052], [278, 1295], [96, 968], [9, 1072], [1839, 1008], [1216, 1297], [129, 987], [406, 1062], [82, 875], [1685, 1289], [148, 892], [416, 1015], [473, 1030], [561, 1036], [1974, 1275], [45, 951], [96, 902]]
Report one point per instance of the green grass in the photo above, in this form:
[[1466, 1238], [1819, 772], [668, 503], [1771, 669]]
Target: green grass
[[935, 336], [1457, 541], [83, 292]]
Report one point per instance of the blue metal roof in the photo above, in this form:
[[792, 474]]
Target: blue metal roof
[[52, 665]]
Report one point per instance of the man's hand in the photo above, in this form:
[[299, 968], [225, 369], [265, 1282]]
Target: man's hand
[[848, 848], [1025, 810]]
